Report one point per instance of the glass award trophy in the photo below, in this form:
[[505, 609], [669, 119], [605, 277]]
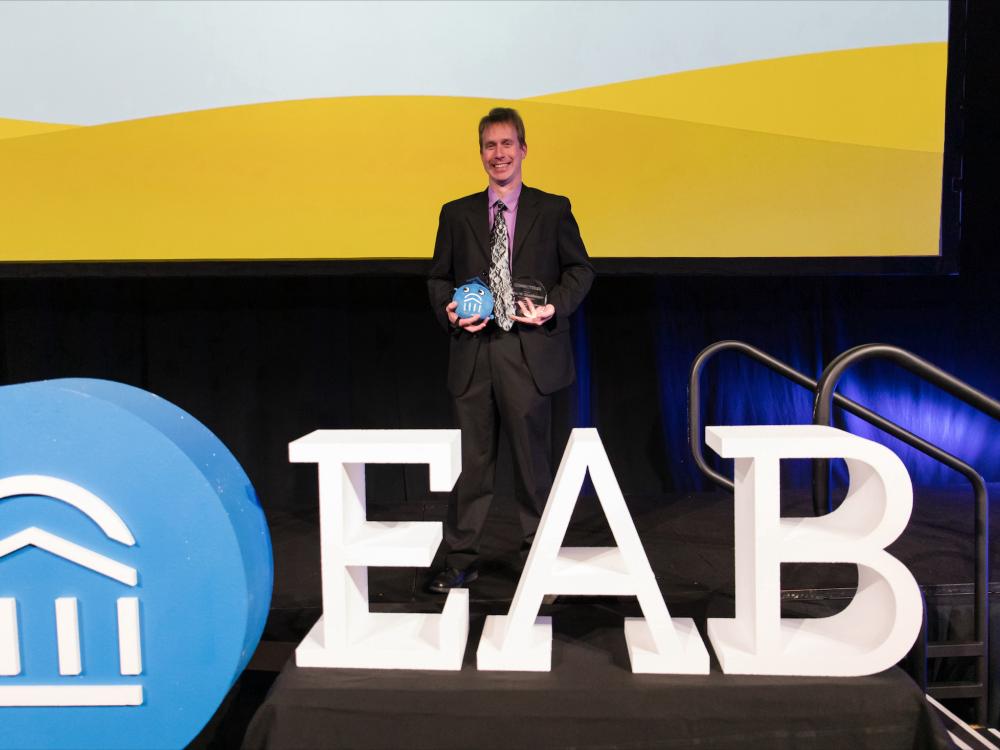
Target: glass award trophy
[[529, 289]]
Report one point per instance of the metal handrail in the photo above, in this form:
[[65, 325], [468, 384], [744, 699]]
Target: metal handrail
[[980, 647], [694, 396], [822, 408], [822, 415], [782, 368]]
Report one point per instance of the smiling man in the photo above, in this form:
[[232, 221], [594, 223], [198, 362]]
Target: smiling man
[[501, 372]]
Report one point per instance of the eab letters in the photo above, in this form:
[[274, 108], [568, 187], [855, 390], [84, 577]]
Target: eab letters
[[871, 634]]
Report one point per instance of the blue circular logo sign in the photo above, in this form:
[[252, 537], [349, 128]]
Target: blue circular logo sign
[[136, 568]]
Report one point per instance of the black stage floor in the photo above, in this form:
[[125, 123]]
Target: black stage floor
[[589, 700], [689, 541]]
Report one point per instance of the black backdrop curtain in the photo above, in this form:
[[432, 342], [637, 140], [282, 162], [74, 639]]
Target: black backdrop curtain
[[263, 360]]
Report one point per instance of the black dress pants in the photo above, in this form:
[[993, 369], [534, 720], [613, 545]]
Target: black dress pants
[[502, 392]]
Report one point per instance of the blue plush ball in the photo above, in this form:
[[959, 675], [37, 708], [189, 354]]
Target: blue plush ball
[[473, 298]]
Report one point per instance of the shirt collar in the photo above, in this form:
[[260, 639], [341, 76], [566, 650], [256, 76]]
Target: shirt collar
[[510, 201]]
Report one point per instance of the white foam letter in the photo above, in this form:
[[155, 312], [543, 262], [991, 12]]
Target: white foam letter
[[880, 624], [522, 641], [348, 635]]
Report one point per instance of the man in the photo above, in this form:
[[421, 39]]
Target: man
[[503, 371]]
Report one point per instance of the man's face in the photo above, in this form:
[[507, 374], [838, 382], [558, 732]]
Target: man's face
[[502, 153]]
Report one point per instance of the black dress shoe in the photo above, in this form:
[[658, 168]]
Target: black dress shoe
[[452, 578]]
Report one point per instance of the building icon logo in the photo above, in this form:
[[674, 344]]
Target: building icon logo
[[473, 298], [67, 607], [135, 568]]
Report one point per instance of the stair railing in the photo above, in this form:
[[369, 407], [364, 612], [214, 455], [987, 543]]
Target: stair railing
[[823, 414], [825, 398]]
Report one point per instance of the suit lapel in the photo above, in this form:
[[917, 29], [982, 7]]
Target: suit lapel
[[478, 217], [527, 212]]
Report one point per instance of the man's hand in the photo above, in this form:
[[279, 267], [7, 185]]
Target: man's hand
[[470, 325], [531, 315]]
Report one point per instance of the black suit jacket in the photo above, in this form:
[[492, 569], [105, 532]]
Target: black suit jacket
[[547, 247]]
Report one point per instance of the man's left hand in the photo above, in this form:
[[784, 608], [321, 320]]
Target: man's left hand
[[531, 315]]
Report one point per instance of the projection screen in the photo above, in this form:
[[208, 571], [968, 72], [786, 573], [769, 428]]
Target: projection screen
[[230, 131]]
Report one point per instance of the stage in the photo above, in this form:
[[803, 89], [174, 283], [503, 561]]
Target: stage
[[591, 698], [688, 539]]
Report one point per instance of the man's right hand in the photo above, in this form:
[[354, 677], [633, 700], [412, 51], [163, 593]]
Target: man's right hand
[[470, 325]]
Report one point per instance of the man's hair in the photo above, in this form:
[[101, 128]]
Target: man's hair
[[498, 116]]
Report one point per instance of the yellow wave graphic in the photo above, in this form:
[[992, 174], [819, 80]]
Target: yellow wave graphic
[[18, 128], [364, 178], [891, 97]]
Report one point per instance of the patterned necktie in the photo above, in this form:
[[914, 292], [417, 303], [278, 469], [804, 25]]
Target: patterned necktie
[[503, 295]]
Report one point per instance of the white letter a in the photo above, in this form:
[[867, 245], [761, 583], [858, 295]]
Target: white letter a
[[522, 641]]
